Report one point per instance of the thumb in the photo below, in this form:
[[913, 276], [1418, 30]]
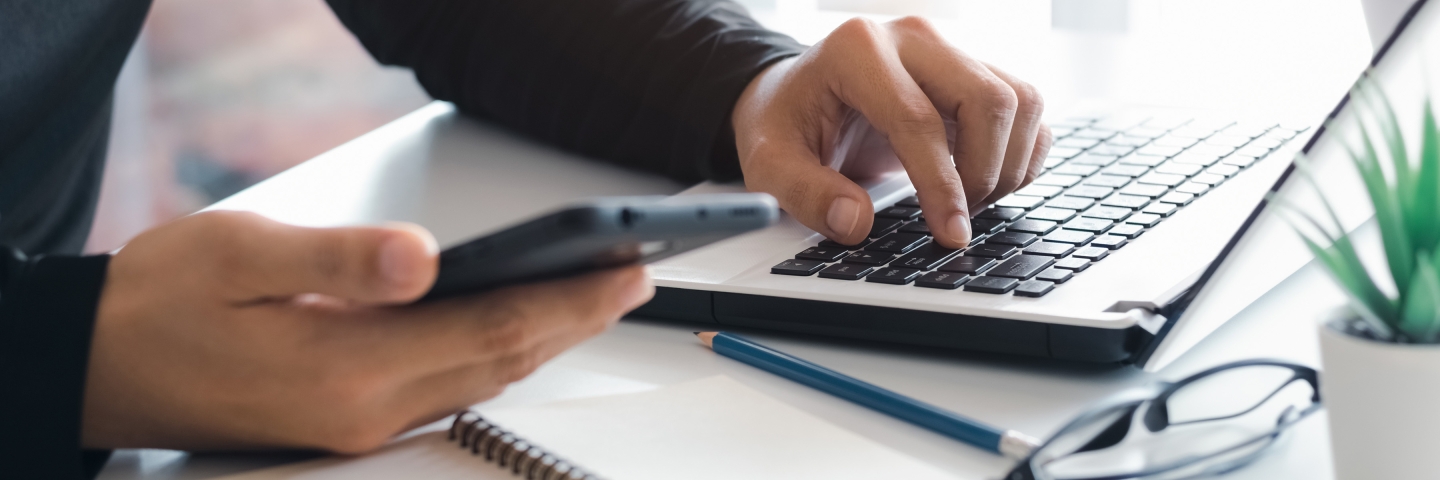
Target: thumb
[[817, 196], [395, 263]]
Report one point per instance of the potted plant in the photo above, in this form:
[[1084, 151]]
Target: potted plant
[[1381, 355]]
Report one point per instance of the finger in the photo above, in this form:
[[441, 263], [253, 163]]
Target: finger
[[1024, 132], [981, 102], [419, 340], [817, 196], [874, 81], [1043, 140], [261, 258]]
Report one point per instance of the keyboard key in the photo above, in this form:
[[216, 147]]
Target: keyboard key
[[1165, 179], [1208, 179], [1095, 133], [1092, 225], [1223, 170], [1146, 220], [1072, 263], [1038, 227], [1074, 237], [883, 226], [1013, 238], [1113, 149], [845, 271], [1161, 209], [894, 276], [1058, 180], [910, 201], [1042, 191], [1159, 150], [1052, 274], [1063, 152], [1253, 151], [1178, 198], [1197, 158], [945, 280], [831, 243], [1145, 132], [1093, 254], [1002, 213], [1094, 159], [983, 226], [1216, 150], [1109, 241], [1072, 142], [1185, 169], [1022, 266], [1108, 213], [1112, 181], [1090, 191], [1173, 141], [1123, 200], [1126, 230], [1019, 201], [897, 243], [1239, 160], [1049, 249], [869, 258], [991, 250], [903, 213], [1127, 170], [1051, 214], [802, 268], [1070, 203], [1228, 139], [926, 257], [1079, 169], [1193, 188], [916, 227], [1052, 162], [1149, 191], [1034, 288], [995, 285], [968, 265], [1143, 160], [1193, 130], [824, 254]]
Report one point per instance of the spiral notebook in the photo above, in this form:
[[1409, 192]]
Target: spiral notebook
[[713, 428]]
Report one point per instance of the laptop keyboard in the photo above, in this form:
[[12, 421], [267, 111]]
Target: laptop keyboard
[[1106, 181]]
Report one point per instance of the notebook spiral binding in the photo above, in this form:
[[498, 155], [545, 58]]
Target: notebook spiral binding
[[509, 452]]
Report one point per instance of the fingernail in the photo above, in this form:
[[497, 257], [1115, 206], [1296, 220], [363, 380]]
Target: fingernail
[[960, 228], [843, 214], [395, 260], [636, 293]]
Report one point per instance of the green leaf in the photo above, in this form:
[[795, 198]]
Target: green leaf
[[1342, 264], [1399, 255], [1362, 305], [1423, 215], [1420, 319]]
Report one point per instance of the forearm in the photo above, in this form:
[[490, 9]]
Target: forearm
[[47, 314], [647, 84]]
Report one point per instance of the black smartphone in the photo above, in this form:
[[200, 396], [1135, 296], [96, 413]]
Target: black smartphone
[[603, 233]]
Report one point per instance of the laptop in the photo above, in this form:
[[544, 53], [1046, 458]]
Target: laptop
[[1147, 231]]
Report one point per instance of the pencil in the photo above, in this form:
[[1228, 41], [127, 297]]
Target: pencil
[[1009, 443]]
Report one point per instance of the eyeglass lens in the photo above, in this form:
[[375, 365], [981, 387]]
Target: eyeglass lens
[[1217, 423]]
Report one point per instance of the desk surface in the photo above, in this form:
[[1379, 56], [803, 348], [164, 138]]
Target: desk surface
[[458, 178]]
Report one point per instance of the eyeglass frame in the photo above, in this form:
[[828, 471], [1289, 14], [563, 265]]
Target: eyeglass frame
[[1157, 419]]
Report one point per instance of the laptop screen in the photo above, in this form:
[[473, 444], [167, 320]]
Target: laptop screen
[[1266, 250]]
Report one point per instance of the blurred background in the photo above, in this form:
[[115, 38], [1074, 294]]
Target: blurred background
[[220, 94]]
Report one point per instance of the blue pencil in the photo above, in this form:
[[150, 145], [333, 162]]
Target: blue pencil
[[1005, 442]]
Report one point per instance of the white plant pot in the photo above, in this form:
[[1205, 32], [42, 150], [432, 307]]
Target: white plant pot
[[1384, 405]]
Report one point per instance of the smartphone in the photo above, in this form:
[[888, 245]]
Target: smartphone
[[599, 234]]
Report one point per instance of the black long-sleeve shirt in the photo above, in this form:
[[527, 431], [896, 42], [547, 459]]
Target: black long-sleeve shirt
[[647, 84]]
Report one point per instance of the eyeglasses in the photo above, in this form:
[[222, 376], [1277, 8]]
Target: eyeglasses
[[1210, 423]]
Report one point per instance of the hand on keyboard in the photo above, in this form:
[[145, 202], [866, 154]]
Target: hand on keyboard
[[926, 101]]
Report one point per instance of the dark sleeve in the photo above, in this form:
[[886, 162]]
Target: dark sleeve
[[647, 84], [47, 313]]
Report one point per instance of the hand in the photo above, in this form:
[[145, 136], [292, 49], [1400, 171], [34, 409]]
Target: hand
[[227, 330], [908, 82]]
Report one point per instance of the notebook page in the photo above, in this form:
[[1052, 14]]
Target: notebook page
[[713, 428]]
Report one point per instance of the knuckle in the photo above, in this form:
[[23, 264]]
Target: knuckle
[[525, 364], [506, 329], [914, 23], [921, 120], [996, 98], [1028, 98]]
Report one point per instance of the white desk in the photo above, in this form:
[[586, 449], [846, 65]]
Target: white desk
[[459, 177]]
